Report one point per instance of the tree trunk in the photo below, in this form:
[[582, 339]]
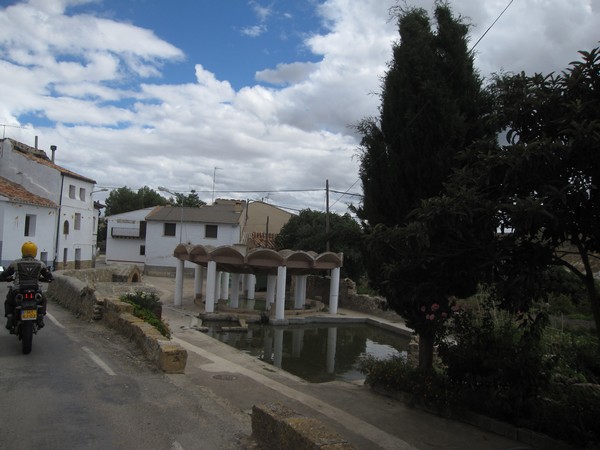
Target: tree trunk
[[426, 350]]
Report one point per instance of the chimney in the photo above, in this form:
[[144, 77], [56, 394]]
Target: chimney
[[36, 142], [53, 150]]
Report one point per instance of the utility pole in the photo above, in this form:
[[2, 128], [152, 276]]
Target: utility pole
[[214, 178], [327, 214]]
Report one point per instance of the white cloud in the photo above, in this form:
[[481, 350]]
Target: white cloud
[[285, 74], [254, 30], [77, 70]]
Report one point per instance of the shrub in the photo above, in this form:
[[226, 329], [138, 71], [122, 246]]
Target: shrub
[[574, 355], [496, 362], [144, 307], [426, 387]]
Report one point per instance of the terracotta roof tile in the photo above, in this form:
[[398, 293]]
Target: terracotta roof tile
[[18, 194]]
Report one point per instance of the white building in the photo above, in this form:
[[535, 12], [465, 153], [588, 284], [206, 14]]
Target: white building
[[126, 237], [45, 203], [149, 236]]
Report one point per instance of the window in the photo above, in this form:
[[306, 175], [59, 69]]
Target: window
[[82, 194], [143, 229], [142, 250], [77, 225], [169, 229], [29, 225], [66, 228], [210, 231], [71, 191]]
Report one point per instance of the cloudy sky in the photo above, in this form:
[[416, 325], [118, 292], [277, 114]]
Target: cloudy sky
[[249, 99]]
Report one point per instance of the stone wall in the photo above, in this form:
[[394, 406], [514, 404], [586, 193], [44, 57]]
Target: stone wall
[[92, 298], [318, 288], [277, 426]]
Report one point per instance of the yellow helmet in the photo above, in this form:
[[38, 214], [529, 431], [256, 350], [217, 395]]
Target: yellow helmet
[[29, 249]]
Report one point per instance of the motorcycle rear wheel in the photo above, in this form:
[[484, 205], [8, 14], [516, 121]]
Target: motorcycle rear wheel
[[27, 336]]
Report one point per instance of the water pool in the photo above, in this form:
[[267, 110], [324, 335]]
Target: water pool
[[317, 352]]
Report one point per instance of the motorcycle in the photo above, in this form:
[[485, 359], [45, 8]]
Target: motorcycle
[[27, 313]]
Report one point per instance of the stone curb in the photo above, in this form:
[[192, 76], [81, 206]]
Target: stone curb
[[277, 426], [81, 299]]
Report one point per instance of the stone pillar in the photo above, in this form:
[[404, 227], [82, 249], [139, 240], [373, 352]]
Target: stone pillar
[[251, 286], [211, 281], [297, 295], [178, 298], [235, 290], [280, 300], [303, 282], [225, 285], [334, 290], [218, 286], [271, 283], [198, 280]]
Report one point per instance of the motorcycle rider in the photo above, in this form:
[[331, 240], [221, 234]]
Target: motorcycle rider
[[27, 271]]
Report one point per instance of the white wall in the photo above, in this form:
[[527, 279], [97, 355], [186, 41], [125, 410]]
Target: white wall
[[12, 230], [48, 182], [82, 239], [160, 248], [37, 178], [125, 249]]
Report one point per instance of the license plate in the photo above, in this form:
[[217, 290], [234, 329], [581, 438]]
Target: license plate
[[29, 314]]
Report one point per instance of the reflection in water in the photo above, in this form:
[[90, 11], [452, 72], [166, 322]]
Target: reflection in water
[[316, 353]]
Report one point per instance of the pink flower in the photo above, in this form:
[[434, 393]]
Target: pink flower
[[454, 308], [430, 317], [422, 308], [444, 315], [435, 307]]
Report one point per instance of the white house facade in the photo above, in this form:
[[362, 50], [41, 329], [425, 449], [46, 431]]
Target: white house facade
[[54, 203], [168, 226], [25, 216], [149, 236], [126, 237]]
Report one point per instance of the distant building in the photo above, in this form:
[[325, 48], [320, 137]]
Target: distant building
[[261, 223], [126, 237], [148, 237], [45, 203]]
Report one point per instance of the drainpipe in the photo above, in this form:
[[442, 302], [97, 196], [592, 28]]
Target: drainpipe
[[62, 183]]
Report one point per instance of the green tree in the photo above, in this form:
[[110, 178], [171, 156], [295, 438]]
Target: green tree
[[125, 199], [307, 231], [191, 200], [432, 109], [546, 179]]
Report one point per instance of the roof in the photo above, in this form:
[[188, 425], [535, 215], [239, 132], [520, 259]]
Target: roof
[[238, 259], [40, 157], [140, 214], [18, 194], [225, 214]]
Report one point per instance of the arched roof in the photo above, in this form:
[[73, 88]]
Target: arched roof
[[236, 259]]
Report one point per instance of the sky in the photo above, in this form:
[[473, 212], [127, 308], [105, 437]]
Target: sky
[[246, 99]]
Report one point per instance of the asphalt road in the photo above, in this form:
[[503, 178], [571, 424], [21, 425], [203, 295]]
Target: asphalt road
[[85, 387]]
